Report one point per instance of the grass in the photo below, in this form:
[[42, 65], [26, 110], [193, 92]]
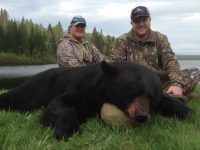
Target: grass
[[24, 132], [12, 59]]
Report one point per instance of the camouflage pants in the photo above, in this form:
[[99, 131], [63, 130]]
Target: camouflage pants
[[193, 73], [191, 76]]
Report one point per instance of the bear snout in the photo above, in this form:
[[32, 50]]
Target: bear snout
[[141, 117], [138, 110]]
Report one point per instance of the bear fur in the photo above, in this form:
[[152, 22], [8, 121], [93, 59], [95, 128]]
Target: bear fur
[[71, 95]]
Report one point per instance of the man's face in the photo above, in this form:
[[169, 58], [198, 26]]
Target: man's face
[[141, 26], [77, 31]]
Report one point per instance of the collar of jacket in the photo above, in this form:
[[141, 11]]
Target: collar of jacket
[[149, 38], [72, 40]]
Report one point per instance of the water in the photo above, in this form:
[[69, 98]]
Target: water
[[189, 63], [23, 71], [13, 76]]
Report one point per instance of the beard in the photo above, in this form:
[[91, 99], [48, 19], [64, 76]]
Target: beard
[[141, 32]]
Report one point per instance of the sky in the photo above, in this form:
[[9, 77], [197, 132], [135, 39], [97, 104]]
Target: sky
[[179, 20]]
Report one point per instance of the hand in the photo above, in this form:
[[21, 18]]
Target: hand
[[176, 90]]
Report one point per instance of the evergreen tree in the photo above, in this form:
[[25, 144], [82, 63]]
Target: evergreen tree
[[100, 41], [23, 37], [12, 37], [31, 40], [4, 18], [58, 31], [97, 39], [51, 42], [1, 38], [37, 50], [88, 36], [94, 38], [24, 45]]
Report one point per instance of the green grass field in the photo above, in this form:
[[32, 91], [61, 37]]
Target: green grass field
[[24, 132]]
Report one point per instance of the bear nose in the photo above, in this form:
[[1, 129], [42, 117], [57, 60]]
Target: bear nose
[[141, 118]]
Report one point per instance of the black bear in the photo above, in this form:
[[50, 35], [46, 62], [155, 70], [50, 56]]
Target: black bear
[[71, 95]]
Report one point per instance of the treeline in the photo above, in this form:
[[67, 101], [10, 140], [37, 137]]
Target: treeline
[[188, 57], [103, 43], [28, 39]]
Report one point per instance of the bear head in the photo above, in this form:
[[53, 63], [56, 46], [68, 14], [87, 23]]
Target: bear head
[[133, 88]]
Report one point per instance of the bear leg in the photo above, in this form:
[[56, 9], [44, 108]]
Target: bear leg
[[171, 106], [63, 117]]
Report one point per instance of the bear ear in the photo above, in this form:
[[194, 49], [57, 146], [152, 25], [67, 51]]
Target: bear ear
[[108, 68], [163, 75]]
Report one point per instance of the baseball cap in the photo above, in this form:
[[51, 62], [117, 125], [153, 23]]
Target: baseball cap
[[139, 11], [78, 19]]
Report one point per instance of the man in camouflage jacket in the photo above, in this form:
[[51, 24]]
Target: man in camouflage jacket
[[74, 50], [152, 49]]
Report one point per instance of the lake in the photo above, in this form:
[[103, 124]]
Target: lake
[[12, 76], [22, 71], [189, 63]]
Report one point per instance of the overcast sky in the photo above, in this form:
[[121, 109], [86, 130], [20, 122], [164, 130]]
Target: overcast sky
[[178, 19]]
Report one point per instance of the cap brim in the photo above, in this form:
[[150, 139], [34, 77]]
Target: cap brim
[[140, 16], [78, 23]]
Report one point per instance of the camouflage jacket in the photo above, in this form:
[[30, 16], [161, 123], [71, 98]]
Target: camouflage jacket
[[154, 51], [70, 53]]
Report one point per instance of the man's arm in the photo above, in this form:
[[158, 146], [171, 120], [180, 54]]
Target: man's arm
[[118, 52], [66, 56], [97, 55], [170, 63]]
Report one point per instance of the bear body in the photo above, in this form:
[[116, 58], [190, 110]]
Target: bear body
[[71, 95]]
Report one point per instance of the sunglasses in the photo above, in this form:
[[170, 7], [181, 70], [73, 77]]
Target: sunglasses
[[141, 11], [82, 20]]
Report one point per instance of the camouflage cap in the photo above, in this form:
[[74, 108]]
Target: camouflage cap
[[78, 19], [138, 12]]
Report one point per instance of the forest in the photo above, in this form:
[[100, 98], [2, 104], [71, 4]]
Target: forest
[[25, 42], [188, 57]]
